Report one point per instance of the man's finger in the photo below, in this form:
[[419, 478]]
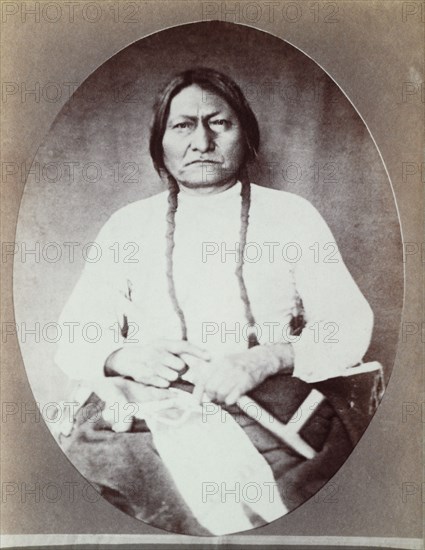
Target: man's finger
[[221, 391], [199, 389], [182, 346], [159, 382], [167, 373], [233, 396], [174, 362]]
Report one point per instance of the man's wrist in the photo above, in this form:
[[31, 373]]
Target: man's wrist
[[275, 358]]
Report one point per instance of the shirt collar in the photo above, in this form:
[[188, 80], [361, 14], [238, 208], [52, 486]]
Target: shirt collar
[[214, 198]]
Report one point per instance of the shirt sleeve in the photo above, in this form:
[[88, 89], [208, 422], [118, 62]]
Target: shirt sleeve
[[339, 320], [94, 312]]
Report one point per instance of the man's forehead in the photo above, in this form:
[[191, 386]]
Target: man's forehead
[[194, 99]]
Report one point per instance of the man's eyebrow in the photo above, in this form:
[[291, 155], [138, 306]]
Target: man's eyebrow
[[191, 117]]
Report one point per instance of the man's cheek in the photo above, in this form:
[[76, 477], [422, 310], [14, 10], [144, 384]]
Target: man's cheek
[[235, 157]]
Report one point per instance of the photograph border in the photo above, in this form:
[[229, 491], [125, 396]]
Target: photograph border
[[382, 103]]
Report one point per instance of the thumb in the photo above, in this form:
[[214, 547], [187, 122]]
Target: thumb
[[198, 374], [114, 411]]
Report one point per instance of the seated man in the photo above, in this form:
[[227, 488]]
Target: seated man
[[224, 300]]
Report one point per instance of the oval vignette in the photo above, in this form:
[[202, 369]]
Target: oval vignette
[[95, 160]]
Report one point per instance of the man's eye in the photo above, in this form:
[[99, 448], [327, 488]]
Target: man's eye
[[220, 123], [182, 125]]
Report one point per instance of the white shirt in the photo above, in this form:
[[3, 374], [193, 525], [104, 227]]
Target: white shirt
[[290, 254]]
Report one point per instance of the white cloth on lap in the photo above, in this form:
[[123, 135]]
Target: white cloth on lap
[[225, 481]]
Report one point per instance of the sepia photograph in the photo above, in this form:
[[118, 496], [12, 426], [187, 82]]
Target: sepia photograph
[[209, 279], [221, 330]]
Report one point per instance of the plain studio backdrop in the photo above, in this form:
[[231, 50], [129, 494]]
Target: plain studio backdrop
[[95, 160]]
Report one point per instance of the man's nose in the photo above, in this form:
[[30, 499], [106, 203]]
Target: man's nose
[[202, 140]]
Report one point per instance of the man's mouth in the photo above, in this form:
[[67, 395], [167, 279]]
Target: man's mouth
[[204, 161]]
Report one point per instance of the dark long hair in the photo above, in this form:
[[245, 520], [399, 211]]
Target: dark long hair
[[218, 83]]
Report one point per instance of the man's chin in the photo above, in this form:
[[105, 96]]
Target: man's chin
[[190, 184], [209, 187], [202, 180]]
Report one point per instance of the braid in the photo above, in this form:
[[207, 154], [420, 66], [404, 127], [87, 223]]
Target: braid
[[171, 225], [245, 207]]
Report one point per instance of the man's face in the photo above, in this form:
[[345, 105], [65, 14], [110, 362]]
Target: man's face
[[203, 140]]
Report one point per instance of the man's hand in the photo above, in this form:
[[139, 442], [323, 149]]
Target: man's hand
[[156, 364], [226, 379]]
